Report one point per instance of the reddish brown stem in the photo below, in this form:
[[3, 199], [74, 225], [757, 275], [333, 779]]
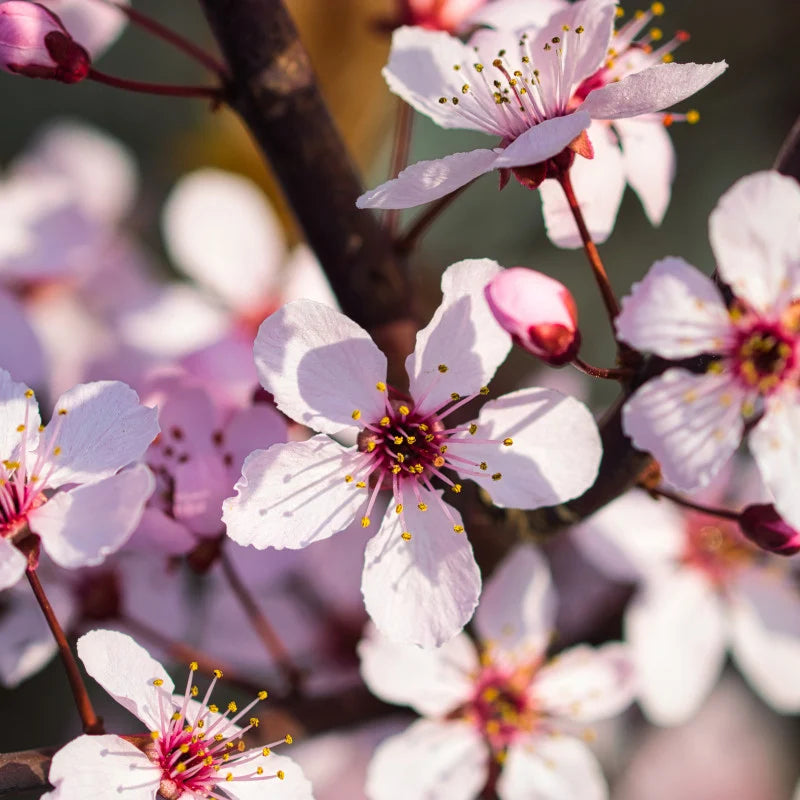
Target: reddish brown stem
[[91, 722], [143, 87], [596, 263], [723, 513], [400, 148], [170, 36], [275, 647], [601, 372]]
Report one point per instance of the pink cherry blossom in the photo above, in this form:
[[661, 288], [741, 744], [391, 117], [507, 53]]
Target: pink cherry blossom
[[522, 87], [63, 482], [443, 15], [692, 422], [527, 449], [505, 704], [191, 750], [539, 313]]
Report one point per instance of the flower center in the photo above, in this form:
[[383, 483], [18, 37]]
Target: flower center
[[715, 547], [764, 355]]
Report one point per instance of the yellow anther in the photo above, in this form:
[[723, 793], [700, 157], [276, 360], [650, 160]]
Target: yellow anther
[[380, 386], [398, 509], [240, 746], [348, 478], [266, 751], [194, 666], [232, 707], [365, 522], [404, 410], [442, 100], [693, 116], [456, 67], [56, 451], [443, 448], [229, 776], [497, 476], [201, 723], [29, 393], [580, 29], [464, 90], [478, 67], [620, 12], [458, 528], [280, 774], [41, 428], [217, 673], [657, 9], [180, 767], [356, 414], [158, 682], [184, 748], [255, 721], [384, 421], [484, 390], [483, 466], [20, 428], [667, 58], [422, 506], [638, 14], [361, 485], [401, 458], [288, 738], [259, 770], [262, 695], [398, 440], [438, 461], [176, 716], [423, 427], [656, 34], [473, 428], [508, 441], [455, 396], [154, 735], [213, 708], [715, 368], [456, 487], [219, 737], [61, 412], [396, 468], [405, 536], [429, 437], [411, 439]]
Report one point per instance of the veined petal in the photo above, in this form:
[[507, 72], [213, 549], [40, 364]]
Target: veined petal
[[430, 759], [775, 445], [691, 423], [429, 180], [294, 494], [554, 452], [543, 141], [652, 89], [588, 684], [755, 235], [12, 564], [320, 366], [598, 183], [765, 631], [463, 336], [675, 311], [648, 158], [518, 608], [422, 590], [13, 403], [294, 786], [96, 429], [220, 230], [127, 671], [102, 766], [81, 527], [432, 681], [551, 768], [677, 633]]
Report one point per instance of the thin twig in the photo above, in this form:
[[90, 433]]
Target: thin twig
[[402, 143], [622, 374], [91, 722], [143, 87], [723, 513]]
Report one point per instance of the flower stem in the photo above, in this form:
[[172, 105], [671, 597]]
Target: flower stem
[[600, 372], [162, 32], [405, 243], [210, 92], [275, 647], [91, 722], [723, 513], [596, 263], [400, 148]]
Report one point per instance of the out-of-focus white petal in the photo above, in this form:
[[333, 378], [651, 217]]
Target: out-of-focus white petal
[[676, 311], [304, 278], [126, 671], [598, 183], [429, 760], [517, 15], [677, 633], [648, 158], [321, 368], [294, 786], [518, 607], [433, 682], [20, 351], [554, 455], [755, 235], [104, 766], [158, 532], [691, 423], [256, 427], [652, 89], [12, 564], [295, 494], [220, 230], [422, 590], [463, 336], [554, 768]]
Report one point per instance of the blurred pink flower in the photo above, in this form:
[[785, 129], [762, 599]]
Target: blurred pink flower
[[443, 15]]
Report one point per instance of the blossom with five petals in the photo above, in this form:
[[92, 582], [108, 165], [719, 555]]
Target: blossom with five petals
[[524, 89], [530, 448], [692, 423], [506, 704]]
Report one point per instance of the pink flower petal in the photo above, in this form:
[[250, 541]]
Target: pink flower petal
[[543, 141]]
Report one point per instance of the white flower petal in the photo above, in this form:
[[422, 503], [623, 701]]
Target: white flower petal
[[220, 230], [648, 158], [161, 533], [775, 445], [431, 760], [755, 235], [555, 452], [256, 427], [691, 423], [13, 404], [293, 786], [598, 183], [21, 352], [295, 494], [588, 684], [676, 311], [765, 630], [652, 89], [429, 180], [556, 768], [463, 335], [676, 630], [543, 141], [79, 528], [433, 681], [424, 590], [320, 366], [518, 607], [102, 766], [12, 564], [517, 15], [127, 671]]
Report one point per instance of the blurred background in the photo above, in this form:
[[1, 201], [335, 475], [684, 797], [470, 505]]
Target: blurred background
[[744, 117]]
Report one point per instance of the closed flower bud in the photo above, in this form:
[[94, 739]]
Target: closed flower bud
[[763, 525], [35, 43], [538, 312]]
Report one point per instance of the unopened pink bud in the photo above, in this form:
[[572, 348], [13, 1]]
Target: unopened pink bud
[[35, 43], [762, 524], [538, 312]]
